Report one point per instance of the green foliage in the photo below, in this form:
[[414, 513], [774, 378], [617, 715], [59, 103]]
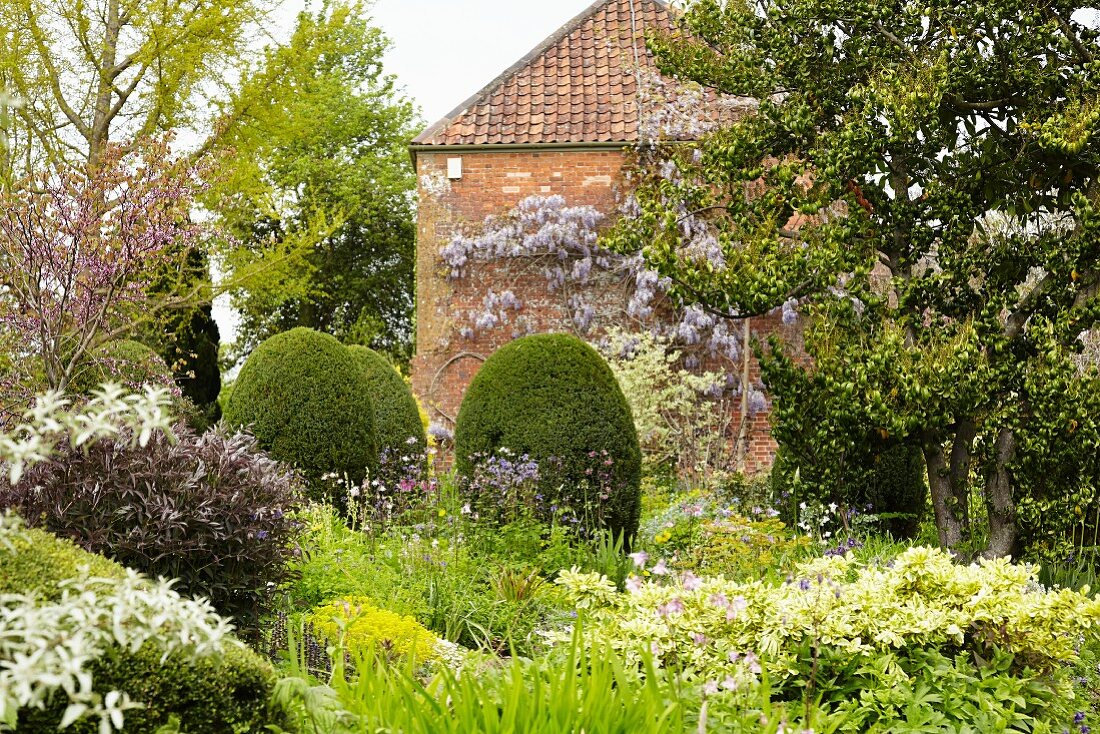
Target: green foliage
[[361, 628], [446, 584], [141, 70], [126, 362], [926, 691], [307, 401], [886, 481], [188, 337], [317, 187], [920, 600], [552, 397], [572, 692], [396, 415], [680, 428], [36, 561], [125, 633], [211, 694], [924, 194]]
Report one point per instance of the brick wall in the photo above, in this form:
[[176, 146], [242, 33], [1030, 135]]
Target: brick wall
[[492, 183]]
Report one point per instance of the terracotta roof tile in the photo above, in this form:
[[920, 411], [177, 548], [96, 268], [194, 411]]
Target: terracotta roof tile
[[579, 86]]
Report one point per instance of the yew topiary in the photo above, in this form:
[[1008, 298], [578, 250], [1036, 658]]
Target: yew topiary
[[308, 403], [396, 415], [552, 398]]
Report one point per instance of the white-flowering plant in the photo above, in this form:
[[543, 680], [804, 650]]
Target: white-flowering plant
[[54, 419]]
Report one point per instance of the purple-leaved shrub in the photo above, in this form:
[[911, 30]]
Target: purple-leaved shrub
[[212, 511]]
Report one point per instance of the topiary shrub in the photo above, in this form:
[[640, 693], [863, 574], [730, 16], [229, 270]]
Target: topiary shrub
[[396, 415], [125, 362], [36, 562], [222, 687], [209, 510], [308, 403], [552, 398]]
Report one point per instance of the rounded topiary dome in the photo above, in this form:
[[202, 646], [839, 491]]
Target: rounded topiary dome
[[308, 404], [551, 396], [396, 417], [125, 362]]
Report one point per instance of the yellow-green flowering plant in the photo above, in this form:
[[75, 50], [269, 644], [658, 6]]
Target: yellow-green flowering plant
[[709, 626]]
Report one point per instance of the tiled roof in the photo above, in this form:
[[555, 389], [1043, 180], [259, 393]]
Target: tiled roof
[[578, 86]]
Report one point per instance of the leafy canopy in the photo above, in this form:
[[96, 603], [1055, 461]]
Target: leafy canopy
[[919, 181], [316, 193]]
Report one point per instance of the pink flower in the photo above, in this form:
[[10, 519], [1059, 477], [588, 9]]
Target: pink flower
[[661, 568], [633, 584], [736, 607], [729, 683], [639, 558], [690, 581], [699, 639], [710, 687], [753, 663], [718, 600], [674, 606]]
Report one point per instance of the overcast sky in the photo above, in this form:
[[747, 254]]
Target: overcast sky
[[446, 50]]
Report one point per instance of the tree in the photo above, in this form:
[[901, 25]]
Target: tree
[[317, 196], [919, 180], [92, 73], [79, 248]]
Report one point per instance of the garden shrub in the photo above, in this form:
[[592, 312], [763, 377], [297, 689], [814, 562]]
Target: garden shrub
[[209, 510], [362, 628], [888, 481], [116, 632], [396, 415], [922, 600], [125, 362], [306, 400], [553, 398], [208, 694], [895, 489], [36, 562]]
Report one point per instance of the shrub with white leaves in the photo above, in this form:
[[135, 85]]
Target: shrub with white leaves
[[47, 648]]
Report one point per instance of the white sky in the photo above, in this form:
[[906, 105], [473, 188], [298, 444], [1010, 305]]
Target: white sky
[[444, 51]]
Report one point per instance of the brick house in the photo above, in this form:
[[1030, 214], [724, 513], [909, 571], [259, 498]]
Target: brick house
[[559, 121]]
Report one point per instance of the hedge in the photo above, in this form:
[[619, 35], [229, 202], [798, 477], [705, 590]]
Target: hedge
[[308, 403], [552, 397]]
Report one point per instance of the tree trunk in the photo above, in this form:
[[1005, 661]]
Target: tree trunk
[[1001, 508], [949, 485]]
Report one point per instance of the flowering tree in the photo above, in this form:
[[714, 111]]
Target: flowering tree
[[865, 191], [78, 249]]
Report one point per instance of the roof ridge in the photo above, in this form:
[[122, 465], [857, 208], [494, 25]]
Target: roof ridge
[[548, 43]]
